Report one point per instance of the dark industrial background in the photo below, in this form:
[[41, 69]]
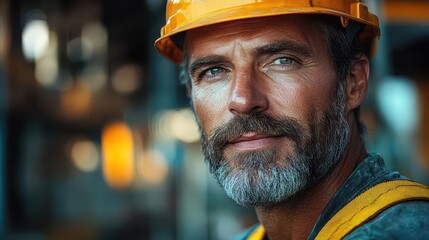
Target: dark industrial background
[[97, 140]]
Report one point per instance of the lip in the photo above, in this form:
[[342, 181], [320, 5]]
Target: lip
[[251, 141]]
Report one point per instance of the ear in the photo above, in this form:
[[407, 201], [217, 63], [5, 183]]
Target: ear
[[357, 82]]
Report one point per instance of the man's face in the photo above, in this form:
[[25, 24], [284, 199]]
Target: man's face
[[268, 104]]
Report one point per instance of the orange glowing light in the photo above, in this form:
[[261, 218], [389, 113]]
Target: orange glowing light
[[118, 155]]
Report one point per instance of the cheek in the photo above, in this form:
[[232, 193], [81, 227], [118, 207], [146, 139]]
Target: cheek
[[304, 95], [209, 107]]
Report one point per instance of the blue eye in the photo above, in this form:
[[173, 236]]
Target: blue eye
[[208, 73], [283, 61], [214, 71], [212, 74]]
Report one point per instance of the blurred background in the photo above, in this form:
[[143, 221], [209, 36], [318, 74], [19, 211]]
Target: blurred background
[[97, 140]]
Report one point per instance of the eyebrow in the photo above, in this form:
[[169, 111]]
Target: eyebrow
[[204, 61], [284, 45]]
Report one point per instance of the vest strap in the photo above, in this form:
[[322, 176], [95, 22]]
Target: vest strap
[[258, 233], [365, 207], [369, 204]]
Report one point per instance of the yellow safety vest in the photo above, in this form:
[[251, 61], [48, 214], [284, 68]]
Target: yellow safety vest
[[365, 207]]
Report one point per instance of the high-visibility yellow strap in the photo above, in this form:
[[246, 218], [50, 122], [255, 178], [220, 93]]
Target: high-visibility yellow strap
[[257, 234], [368, 204]]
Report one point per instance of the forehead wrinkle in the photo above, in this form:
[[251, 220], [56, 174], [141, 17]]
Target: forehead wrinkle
[[238, 40], [238, 48], [234, 24], [243, 34], [241, 29], [224, 37]]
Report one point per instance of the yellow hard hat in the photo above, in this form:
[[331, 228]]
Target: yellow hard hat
[[183, 15]]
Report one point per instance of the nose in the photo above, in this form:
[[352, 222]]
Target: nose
[[247, 95]]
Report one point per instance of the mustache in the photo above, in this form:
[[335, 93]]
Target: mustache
[[257, 122]]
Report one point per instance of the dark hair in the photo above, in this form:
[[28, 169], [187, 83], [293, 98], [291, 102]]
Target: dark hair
[[342, 46]]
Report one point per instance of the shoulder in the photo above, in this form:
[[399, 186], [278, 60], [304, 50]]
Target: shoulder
[[407, 220]]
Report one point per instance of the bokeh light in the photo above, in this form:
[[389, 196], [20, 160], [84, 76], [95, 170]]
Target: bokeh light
[[94, 78], [76, 102], [94, 35], [35, 39], [397, 99], [85, 155], [47, 67], [177, 124], [152, 167], [118, 155], [127, 78], [184, 126]]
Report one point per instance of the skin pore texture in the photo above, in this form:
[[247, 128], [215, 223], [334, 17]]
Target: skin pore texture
[[277, 130]]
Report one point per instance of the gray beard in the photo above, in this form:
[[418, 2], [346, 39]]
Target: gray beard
[[262, 185], [259, 180]]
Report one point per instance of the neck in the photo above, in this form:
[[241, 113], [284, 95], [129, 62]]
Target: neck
[[295, 217]]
